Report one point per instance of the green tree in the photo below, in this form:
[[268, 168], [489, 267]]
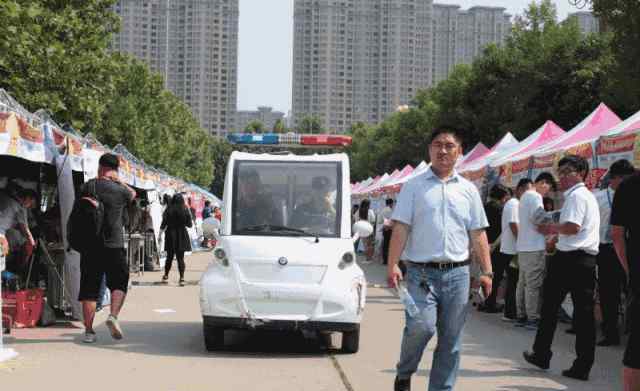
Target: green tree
[[154, 124], [52, 55], [254, 126], [220, 150], [622, 19], [279, 126], [310, 124]]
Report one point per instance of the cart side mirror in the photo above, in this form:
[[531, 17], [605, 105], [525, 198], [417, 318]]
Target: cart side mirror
[[361, 229], [210, 228]]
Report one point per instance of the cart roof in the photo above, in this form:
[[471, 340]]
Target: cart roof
[[336, 157]]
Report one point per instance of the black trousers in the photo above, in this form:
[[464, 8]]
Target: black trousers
[[569, 272], [499, 263], [510, 309], [386, 240], [611, 278], [181, 266]]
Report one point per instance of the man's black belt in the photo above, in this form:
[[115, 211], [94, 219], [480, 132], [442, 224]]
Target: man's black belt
[[439, 265]]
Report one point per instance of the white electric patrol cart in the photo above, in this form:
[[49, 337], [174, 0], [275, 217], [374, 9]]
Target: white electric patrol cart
[[285, 257]]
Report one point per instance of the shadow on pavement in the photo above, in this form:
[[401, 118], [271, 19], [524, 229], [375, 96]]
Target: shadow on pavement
[[185, 339]]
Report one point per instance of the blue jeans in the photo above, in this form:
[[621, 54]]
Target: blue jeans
[[442, 296]]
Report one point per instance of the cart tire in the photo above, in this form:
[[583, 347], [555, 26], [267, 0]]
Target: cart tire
[[213, 338], [351, 341]]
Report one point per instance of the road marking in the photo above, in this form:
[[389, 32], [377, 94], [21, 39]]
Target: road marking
[[343, 375]]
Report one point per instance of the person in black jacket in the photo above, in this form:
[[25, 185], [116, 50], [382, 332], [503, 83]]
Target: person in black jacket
[[175, 220]]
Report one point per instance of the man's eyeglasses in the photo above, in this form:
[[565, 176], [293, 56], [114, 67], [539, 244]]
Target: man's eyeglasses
[[449, 147]]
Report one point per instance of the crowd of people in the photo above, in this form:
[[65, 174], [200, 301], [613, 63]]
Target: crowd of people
[[534, 246]]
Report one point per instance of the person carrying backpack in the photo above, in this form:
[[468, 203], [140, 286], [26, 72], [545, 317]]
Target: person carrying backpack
[[103, 250]]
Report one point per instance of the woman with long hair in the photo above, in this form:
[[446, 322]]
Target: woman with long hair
[[175, 220]]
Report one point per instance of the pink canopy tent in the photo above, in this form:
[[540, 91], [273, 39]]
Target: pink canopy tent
[[542, 136], [365, 189], [361, 185], [385, 179], [397, 174], [477, 152], [598, 122], [507, 144], [395, 185], [629, 125]]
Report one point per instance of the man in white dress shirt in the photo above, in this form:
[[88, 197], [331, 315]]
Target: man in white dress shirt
[[531, 245], [611, 276], [572, 269]]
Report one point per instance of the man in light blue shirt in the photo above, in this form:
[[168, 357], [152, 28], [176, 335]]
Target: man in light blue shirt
[[436, 214]]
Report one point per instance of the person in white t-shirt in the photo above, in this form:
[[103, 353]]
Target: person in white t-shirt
[[571, 270], [530, 245], [385, 224], [510, 221]]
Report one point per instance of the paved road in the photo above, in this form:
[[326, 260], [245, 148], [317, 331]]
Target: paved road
[[163, 350]]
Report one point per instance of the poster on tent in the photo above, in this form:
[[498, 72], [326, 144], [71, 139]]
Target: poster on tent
[[66, 142], [125, 171], [544, 163], [477, 177], [595, 173], [512, 172], [19, 139], [91, 157], [611, 149]]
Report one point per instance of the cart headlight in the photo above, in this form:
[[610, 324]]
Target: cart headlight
[[221, 256], [347, 259]]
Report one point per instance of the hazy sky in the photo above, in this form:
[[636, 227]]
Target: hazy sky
[[266, 44]]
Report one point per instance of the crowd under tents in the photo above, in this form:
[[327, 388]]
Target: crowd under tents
[[602, 138], [37, 153]]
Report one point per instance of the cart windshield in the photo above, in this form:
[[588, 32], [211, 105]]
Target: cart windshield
[[286, 198]]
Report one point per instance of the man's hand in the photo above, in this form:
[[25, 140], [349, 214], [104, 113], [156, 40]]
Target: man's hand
[[487, 285], [394, 275]]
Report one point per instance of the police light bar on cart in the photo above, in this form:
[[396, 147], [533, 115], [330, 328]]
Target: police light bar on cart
[[289, 139]]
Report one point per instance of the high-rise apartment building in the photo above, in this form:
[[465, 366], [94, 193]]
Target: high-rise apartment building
[[460, 36], [358, 60], [587, 21], [194, 45], [264, 114]]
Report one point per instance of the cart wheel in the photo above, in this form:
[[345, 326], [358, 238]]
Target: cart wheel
[[351, 341], [213, 338]]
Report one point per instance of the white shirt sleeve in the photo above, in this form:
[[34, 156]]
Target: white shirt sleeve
[[574, 211], [512, 213]]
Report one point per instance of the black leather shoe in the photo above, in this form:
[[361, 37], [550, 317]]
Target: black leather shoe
[[402, 384], [609, 342], [531, 358], [576, 374]]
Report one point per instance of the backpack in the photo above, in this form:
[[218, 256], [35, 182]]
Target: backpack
[[84, 229]]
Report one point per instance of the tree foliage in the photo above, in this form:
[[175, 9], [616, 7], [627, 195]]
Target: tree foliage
[[53, 55], [622, 18], [279, 126], [255, 126], [310, 124]]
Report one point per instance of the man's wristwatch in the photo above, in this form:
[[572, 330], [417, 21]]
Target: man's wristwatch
[[487, 274]]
